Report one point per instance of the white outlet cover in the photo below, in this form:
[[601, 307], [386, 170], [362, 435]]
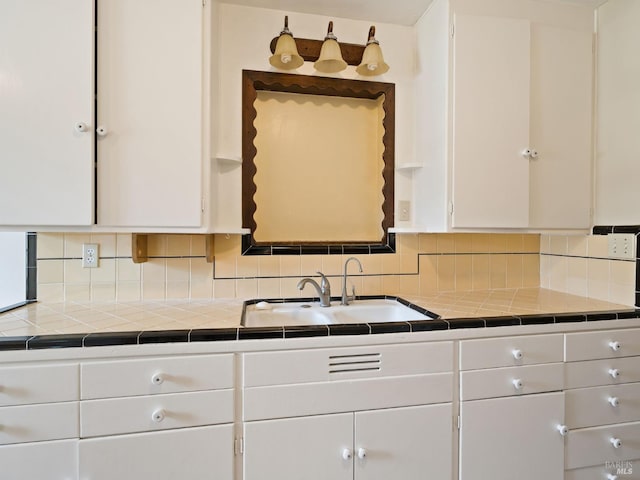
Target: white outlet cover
[[90, 255], [621, 245]]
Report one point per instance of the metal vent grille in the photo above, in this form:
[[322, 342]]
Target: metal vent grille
[[355, 363]]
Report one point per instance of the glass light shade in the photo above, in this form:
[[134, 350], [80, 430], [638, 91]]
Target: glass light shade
[[330, 60], [286, 55], [372, 61]]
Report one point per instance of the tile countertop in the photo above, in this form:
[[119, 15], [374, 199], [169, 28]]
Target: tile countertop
[[73, 318]]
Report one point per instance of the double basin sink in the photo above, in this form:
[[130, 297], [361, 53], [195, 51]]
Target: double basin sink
[[271, 313]]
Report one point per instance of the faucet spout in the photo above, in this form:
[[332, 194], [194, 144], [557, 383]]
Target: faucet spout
[[345, 296], [323, 290]]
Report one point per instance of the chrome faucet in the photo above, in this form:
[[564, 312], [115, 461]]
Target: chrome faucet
[[345, 297], [324, 289]]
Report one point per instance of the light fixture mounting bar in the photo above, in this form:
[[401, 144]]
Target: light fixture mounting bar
[[309, 50]]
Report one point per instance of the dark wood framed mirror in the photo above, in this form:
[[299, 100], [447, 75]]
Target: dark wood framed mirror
[[317, 164]]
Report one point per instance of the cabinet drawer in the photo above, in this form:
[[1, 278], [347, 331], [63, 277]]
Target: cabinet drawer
[[605, 344], [157, 412], [282, 401], [34, 423], [595, 446], [602, 372], [335, 364], [38, 384], [504, 382], [123, 378], [57, 460], [624, 471], [511, 351], [588, 407]]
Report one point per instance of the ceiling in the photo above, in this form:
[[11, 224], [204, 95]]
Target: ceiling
[[401, 12]]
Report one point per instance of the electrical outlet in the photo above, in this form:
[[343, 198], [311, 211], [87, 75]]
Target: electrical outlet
[[90, 255], [404, 210], [622, 245]]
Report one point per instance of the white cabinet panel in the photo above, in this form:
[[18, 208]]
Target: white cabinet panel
[[511, 351], [602, 372], [309, 448], [43, 460], [46, 92], [503, 382], [561, 118], [604, 344], [150, 56], [116, 378], [587, 407], [158, 412], [187, 454], [491, 122], [23, 385], [515, 437], [411, 443], [32, 423], [595, 446]]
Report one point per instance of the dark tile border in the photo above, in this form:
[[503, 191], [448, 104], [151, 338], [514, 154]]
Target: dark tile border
[[255, 333], [247, 247], [104, 339]]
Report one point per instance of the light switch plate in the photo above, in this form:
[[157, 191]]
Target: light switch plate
[[404, 210], [622, 245]]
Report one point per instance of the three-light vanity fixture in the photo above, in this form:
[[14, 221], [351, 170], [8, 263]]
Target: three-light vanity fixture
[[328, 56]]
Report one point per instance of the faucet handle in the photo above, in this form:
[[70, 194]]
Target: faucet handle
[[324, 283]]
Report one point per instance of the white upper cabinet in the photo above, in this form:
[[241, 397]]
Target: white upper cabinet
[[46, 112], [490, 122], [108, 124], [517, 102], [150, 113]]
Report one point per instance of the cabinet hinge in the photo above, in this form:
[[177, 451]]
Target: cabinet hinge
[[450, 208], [457, 422], [238, 446], [202, 204], [452, 30], [204, 3]]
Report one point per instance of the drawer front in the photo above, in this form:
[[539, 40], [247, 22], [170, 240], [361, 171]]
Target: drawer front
[[595, 446], [604, 344], [511, 351], [57, 460], [336, 364], [282, 401], [504, 382], [157, 412], [33, 423], [602, 372], [621, 470], [588, 407], [122, 378], [38, 384]]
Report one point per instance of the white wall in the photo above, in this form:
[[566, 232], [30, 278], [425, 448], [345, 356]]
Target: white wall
[[617, 172], [244, 36], [13, 269]]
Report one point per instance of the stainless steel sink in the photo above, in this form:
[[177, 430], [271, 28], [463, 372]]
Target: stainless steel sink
[[364, 310]]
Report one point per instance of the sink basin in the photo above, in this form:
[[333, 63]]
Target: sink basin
[[267, 314]]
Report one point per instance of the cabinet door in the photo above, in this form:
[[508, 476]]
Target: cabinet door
[[187, 454], [41, 460], [490, 178], [561, 112], [515, 437], [406, 443], [305, 448], [150, 57], [46, 94]]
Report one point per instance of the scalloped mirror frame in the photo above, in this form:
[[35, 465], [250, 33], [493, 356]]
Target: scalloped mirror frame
[[254, 81]]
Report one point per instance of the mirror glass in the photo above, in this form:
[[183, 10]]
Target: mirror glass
[[317, 161]]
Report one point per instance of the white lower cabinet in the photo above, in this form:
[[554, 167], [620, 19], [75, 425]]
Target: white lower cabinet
[[405, 443], [513, 437], [186, 454], [56, 460]]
